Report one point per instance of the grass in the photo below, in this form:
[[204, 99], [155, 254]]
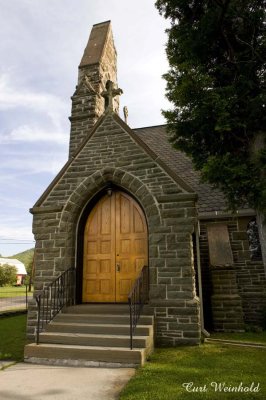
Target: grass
[[12, 291], [12, 337], [254, 337], [162, 377]]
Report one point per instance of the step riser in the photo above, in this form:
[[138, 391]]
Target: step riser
[[101, 319], [102, 355], [98, 309], [108, 330], [94, 341], [114, 309], [93, 335]]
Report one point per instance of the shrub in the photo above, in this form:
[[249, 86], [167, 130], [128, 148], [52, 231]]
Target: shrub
[[8, 274]]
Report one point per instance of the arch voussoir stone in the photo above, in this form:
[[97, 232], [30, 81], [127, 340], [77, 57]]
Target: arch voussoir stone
[[97, 181]]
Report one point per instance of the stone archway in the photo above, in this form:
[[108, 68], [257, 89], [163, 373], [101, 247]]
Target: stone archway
[[92, 185], [85, 196], [114, 234]]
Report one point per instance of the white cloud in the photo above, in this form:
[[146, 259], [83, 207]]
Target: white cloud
[[15, 228], [40, 164], [27, 133], [13, 203], [12, 96], [48, 125], [16, 232]]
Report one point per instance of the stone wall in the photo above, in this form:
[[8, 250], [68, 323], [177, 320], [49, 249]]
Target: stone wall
[[113, 153], [87, 102], [250, 275], [227, 311]]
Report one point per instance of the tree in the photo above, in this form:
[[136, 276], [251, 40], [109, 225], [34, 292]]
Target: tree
[[8, 274], [216, 84], [30, 271]]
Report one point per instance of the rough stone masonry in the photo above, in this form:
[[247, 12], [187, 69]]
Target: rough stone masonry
[[104, 151]]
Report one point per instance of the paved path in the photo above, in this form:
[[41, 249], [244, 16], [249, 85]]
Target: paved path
[[11, 303], [30, 382]]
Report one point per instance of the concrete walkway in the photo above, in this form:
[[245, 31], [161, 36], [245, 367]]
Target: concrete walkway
[[30, 382]]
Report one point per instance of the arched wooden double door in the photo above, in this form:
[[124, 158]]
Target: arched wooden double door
[[115, 248]]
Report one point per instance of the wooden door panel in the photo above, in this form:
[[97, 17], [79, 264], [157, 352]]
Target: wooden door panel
[[124, 287], [105, 267], [139, 246], [138, 222], [124, 246], [106, 246], [106, 216], [115, 248], [125, 266], [99, 253], [131, 244], [92, 287], [123, 209]]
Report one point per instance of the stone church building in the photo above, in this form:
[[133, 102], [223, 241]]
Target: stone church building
[[126, 199]]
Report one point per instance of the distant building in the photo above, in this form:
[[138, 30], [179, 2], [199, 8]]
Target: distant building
[[21, 270]]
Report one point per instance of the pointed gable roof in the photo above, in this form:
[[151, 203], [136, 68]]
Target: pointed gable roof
[[85, 86], [154, 141], [180, 182]]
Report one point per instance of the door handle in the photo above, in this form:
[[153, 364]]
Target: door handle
[[117, 267]]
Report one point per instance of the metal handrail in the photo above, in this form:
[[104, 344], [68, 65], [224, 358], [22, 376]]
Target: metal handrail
[[138, 296], [53, 298]]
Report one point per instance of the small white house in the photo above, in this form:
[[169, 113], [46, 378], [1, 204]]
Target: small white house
[[21, 270]]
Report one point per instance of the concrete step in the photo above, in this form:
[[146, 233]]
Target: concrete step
[[117, 329], [83, 339], [101, 319], [93, 335], [113, 309], [43, 353]]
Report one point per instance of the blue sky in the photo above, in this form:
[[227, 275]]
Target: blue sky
[[42, 43]]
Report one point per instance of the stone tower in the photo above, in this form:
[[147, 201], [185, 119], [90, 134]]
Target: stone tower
[[97, 66]]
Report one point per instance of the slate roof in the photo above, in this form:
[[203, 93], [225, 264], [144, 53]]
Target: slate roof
[[209, 199], [154, 140]]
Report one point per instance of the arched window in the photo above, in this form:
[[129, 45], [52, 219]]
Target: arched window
[[254, 240]]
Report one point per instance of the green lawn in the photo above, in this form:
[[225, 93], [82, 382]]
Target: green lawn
[[254, 337], [12, 291], [12, 337], [162, 378]]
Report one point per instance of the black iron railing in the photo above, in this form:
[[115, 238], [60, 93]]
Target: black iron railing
[[138, 296], [53, 298]]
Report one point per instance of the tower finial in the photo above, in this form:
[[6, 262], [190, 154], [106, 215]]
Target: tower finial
[[109, 94], [125, 111]]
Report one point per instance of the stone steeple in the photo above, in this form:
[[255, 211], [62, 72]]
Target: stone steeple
[[97, 66]]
